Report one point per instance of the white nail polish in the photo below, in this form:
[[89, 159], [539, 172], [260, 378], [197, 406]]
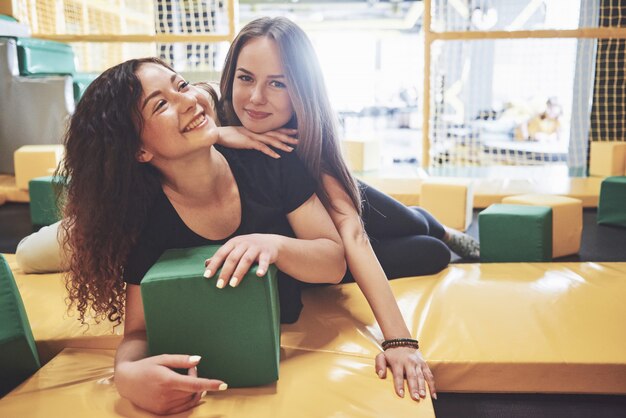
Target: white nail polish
[[194, 359], [233, 282], [223, 386], [220, 283], [207, 274], [203, 394], [380, 374]]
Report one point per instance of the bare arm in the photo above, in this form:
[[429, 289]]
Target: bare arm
[[315, 256], [372, 281]]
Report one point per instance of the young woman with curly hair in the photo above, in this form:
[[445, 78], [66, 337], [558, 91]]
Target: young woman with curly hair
[[145, 175]]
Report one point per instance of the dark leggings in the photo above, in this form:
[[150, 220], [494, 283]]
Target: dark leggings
[[406, 240]]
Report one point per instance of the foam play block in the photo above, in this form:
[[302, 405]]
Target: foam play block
[[33, 161], [235, 330], [451, 202], [79, 383], [567, 219], [607, 158], [40, 56], [44, 204], [513, 233], [18, 353], [361, 154], [612, 206]]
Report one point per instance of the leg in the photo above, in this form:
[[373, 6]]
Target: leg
[[415, 255], [435, 228], [383, 216]]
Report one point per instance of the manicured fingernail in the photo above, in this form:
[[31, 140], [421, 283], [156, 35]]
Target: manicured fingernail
[[203, 394], [207, 274], [289, 149], [223, 386], [260, 272], [401, 392], [381, 374], [422, 393], [220, 284], [434, 396], [416, 396], [194, 359], [233, 281]]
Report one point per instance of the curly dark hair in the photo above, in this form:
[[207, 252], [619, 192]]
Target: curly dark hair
[[108, 192]]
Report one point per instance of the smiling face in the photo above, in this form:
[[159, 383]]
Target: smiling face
[[174, 122], [260, 89]]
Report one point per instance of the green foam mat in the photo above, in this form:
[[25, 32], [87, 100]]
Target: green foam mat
[[612, 201], [18, 353], [235, 330], [515, 233]]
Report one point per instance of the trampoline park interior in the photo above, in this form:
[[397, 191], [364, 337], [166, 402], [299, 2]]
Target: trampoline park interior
[[477, 110]]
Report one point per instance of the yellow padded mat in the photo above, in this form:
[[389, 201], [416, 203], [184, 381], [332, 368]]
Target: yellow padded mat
[[77, 383], [516, 327]]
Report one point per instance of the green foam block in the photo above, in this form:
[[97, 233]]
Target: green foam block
[[235, 330], [18, 353], [40, 56], [515, 233], [43, 200], [612, 202]]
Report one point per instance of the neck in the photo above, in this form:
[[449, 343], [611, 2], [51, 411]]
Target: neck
[[196, 180]]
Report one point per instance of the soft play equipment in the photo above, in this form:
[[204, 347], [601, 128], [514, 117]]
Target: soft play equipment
[[612, 205], [49, 100], [514, 233], [567, 220], [235, 330], [18, 354], [44, 200], [607, 158], [32, 161], [515, 327], [451, 202]]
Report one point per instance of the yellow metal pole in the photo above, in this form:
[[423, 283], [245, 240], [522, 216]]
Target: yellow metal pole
[[426, 105]]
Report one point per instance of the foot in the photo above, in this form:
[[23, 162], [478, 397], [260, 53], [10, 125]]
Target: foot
[[462, 244]]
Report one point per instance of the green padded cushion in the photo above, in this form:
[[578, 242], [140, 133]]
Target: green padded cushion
[[18, 354], [43, 200], [612, 203], [80, 82], [235, 330], [8, 18], [38, 56], [515, 233]]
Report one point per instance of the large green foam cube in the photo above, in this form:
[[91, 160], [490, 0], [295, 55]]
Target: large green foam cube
[[612, 203], [515, 233], [40, 57], [18, 353], [235, 330], [43, 200]]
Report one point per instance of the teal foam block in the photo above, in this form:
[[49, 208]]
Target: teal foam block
[[18, 353], [43, 200], [235, 330], [40, 57], [515, 233], [612, 201]]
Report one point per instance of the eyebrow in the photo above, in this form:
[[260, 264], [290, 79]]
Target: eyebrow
[[157, 92], [250, 73]]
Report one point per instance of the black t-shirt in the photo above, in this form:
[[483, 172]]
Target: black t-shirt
[[269, 189]]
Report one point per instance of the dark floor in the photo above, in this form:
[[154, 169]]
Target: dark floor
[[599, 243]]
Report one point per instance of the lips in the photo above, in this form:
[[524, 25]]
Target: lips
[[254, 114], [197, 121]]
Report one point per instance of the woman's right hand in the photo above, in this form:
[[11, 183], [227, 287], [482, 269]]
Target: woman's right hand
[[151, 384], [240, 138]]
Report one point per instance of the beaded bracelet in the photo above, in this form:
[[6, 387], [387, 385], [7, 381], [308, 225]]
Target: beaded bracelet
[[401, 342]]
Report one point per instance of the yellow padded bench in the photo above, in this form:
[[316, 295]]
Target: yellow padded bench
[[78, 383]]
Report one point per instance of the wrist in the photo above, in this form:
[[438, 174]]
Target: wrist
[[400, 342]]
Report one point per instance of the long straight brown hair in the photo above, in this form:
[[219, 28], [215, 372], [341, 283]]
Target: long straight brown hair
[[314, 117]]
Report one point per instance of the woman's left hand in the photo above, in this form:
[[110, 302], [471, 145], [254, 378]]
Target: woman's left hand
[[239, 137], [238, 255], [406, 362]]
